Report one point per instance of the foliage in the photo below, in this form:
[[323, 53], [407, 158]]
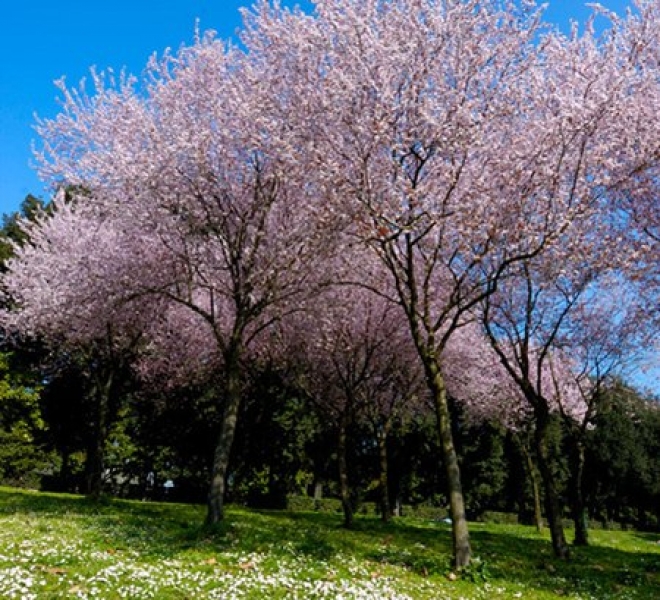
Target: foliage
[[274, 438], [484, 466], [22, 455], [623, 455], [12, 233]]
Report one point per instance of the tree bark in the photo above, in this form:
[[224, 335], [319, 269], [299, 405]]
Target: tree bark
[[215, 507], [552, 504], [318, 494], [579, 509], [64, 484], [344, 487], [536, 488], [95, 463], [386, 511], [460, 533]]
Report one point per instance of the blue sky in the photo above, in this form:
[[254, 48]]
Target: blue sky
[[42, 40]]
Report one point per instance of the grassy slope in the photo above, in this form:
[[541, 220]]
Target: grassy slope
[[60, 546]]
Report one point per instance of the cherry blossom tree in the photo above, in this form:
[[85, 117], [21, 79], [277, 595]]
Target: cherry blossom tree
[[605, 338], [396, 391], [479, 382], [604, 145], [63, 287], [561, 324], [523, 320], [189, 160], [353, 355], [407, 109]]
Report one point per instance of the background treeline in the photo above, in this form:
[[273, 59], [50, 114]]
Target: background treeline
[[284, 449], [158, 444]]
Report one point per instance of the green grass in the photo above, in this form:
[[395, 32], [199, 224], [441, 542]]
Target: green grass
[[62, 546]]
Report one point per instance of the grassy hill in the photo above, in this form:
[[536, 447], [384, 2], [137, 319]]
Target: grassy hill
[[62, 546]]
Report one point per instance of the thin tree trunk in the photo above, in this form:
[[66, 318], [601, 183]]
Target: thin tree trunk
[[318, 494], [95, 463], [579, 508], [215, 508], [426, 347], [552, 504], [344, 487], [386, 511], [460, 533], [65, 472], [536, 488]]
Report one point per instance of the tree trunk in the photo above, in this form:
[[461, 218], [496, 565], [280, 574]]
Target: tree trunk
[[386, 511], [64, 476], [552, 504], [460, 533], [536, 488], [95, 463], [398, 508], [344, 487], [579, 508], [215, 507], [318, 494]]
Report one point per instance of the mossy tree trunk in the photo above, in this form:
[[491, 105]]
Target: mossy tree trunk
[[579, 508], [534, 480], [232, 402], [460, 533], [101, 392], [553, 509], [344, 486], [386, 510]]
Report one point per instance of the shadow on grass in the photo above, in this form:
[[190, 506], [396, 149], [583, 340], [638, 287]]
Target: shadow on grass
[[512, 555], [599, 571], [651, 538]]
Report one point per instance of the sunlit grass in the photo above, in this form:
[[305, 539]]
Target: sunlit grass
[[61, 546]]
